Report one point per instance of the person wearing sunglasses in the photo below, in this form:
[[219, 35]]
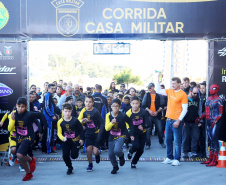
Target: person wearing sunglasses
[[190, 128]]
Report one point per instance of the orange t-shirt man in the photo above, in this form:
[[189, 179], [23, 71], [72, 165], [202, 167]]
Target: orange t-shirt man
[[152, 106], [175, 101]]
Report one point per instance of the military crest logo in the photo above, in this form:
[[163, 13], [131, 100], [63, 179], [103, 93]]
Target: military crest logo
[[67, 16], [8, 50]]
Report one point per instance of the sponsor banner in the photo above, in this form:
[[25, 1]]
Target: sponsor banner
[[13, 71], [217, 65], [117, 19]]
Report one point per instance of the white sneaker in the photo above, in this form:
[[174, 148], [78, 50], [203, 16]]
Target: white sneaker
[[21, 168], [175, 163], [11, 162], [167, 161]]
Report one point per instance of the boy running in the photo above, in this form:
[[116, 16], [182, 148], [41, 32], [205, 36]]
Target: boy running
[[93, 124], [138, 121], [70, 131], [22, 120], [116, 124]]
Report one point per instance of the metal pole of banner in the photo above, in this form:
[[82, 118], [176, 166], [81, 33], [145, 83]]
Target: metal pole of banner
[[172, 63], [207, 89], [28, 74]]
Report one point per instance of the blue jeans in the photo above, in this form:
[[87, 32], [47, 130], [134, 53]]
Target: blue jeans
[[173, 134]]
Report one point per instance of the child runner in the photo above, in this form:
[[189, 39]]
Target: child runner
[[22, 120], [138, 121], [70, 131], [79, 106], [93, 123], [116, 124]]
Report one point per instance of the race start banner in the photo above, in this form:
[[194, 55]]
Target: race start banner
[[113, 19], [13, 75]]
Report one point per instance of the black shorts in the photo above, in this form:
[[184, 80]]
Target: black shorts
[[25, 148], [92, 140]]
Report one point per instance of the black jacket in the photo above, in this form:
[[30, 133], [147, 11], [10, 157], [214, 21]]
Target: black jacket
[[99, 101], [159, 102]]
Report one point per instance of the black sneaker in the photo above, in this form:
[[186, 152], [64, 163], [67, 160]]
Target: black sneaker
[[129, 155], [122, 160], [115, 169], [69, 171], [97, 159], [133, 166]]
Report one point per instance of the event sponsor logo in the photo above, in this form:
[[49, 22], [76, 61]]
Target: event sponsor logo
[[5, 90], [8, 50], [67, 16], [7, 54], [222, 52], [4, 15], [7, 70], [4, 111]]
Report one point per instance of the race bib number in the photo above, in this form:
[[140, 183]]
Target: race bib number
[[115, 132], [137, 121], [69, 134], [90, 124], [22, 131]]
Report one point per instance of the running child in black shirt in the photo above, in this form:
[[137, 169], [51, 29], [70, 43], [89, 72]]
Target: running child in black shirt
[[138, 121], [116, 124], [22, 120], [93, 124], [70, 131]]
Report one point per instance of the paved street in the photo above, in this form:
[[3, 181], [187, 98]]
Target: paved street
[[146, 173]]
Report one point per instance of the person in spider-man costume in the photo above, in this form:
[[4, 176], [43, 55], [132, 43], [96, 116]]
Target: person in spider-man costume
[[213, 113]]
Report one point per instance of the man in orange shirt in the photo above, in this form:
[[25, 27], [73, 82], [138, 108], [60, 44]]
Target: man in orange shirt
[[153, 103], [176, 110]]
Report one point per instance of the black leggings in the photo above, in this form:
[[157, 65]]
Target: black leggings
[[70, 149], [138, 147]]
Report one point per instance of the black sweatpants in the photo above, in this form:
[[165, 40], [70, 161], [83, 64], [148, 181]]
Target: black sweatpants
[[138, 147], [70, 149]]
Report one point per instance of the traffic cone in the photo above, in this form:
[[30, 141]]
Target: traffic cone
[[222, 157]]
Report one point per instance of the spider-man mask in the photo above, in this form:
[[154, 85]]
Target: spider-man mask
[[214, 89]]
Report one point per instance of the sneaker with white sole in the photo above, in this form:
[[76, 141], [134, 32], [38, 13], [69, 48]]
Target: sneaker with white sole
[[167, 161], [21, 169], [176, 163]]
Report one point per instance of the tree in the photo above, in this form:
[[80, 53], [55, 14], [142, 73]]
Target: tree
[[126, 77]]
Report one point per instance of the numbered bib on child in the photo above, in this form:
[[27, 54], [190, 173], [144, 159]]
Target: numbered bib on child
[[138, 121], [115, 132], [22, 130], [90, 124], [69, 134]]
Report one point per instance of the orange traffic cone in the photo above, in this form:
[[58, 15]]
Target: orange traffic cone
[[222, 157]]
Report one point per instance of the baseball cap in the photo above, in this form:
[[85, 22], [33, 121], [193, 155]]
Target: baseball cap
[[151, 85]]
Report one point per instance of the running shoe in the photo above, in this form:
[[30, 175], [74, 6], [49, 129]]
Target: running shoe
[[97, 159], [21, 168], [167, 161], [133, 166], [69, 171], [27, 177], [129, 155], [115, 169], [176, 163], [32, 165], [89, 168]]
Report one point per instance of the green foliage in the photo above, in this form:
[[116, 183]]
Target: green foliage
[[126, 77]]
